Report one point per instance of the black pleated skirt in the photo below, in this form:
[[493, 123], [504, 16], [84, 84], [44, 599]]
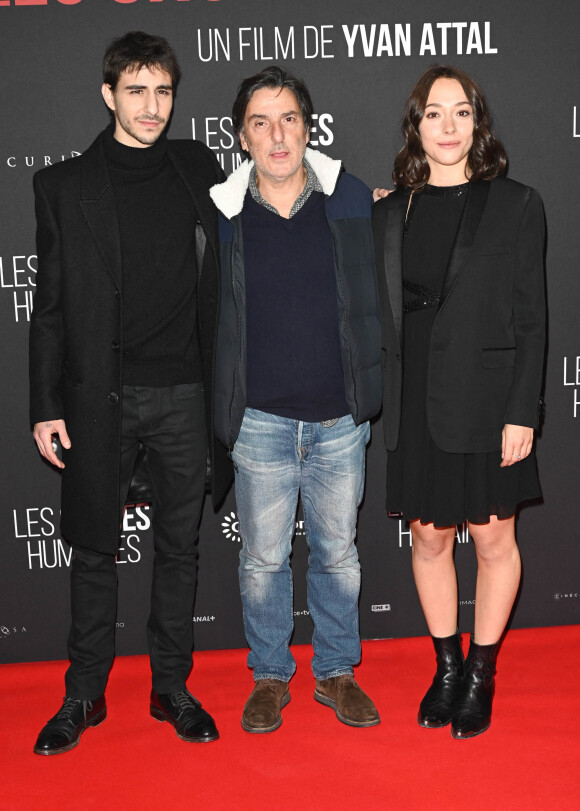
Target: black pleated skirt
[[432, 485]]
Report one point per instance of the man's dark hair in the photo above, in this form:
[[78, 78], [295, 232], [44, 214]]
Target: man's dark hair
[[271, 77], [486, 159], [136, 50]]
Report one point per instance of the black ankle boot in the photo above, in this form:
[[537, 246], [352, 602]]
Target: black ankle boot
[[472, 713], [436, 708]]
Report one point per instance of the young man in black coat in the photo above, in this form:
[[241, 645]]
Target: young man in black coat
[[122, 355]]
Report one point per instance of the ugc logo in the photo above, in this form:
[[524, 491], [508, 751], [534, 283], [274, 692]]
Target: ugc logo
[[231, 528]]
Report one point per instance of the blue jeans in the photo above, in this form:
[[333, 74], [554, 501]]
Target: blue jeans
[[275, 459]]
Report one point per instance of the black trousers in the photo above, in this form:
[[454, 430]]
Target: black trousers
[[170, 423]]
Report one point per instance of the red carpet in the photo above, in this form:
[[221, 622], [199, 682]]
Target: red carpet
[[527, 760]]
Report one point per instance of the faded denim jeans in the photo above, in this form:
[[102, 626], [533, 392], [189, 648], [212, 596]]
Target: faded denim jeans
[[277, 459]]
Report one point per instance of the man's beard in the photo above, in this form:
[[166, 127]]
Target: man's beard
[[144, 138]]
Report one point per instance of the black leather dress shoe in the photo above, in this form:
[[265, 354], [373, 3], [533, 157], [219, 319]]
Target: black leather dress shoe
[[184, 711], [63, 732]]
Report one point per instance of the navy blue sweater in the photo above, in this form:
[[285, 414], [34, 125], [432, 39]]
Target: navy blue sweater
[[294, 357], [348, 212]]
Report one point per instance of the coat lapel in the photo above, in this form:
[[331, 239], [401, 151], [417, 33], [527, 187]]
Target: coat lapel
[[98, 205], [203, 204], [468, 225], [394, 258]]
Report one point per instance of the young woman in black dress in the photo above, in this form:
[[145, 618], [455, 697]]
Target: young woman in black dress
[[460, 253]]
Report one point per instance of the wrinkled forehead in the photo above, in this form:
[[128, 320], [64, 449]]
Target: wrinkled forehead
[[271, 102]]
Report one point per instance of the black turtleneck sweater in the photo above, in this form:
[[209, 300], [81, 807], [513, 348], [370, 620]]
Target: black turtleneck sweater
[[157, 220]]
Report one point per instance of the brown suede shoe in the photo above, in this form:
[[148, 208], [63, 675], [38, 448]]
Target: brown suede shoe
[[262, 710], [351, 704]]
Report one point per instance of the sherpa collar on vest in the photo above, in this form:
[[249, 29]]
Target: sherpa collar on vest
[[229, 195]]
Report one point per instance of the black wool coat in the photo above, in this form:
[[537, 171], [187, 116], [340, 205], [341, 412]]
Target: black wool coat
[[76, 331], [486, 353]]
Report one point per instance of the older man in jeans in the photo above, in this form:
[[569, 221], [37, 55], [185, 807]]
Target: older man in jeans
[[297, 379]]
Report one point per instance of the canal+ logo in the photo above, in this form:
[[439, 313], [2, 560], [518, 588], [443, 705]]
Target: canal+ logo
[[231, 527]]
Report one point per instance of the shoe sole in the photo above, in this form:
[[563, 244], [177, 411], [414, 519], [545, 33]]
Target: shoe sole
[[94, 722], [432, 726], [159, 715], [274, 726], [328, 702], [471, 735]]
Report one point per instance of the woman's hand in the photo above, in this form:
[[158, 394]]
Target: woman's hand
[[378, 194], [516, 444]]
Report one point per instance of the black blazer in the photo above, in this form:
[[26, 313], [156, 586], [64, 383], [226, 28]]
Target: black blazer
[[486, 352], [76, 334]]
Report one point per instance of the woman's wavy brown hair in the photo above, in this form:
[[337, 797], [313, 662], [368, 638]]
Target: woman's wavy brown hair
[[487, 157]]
